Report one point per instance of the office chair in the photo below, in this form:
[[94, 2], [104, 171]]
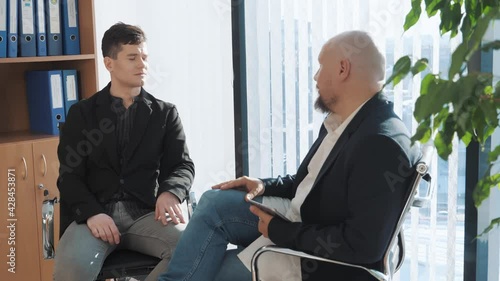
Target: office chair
[[395, 247], [128, 263], [120, 263]]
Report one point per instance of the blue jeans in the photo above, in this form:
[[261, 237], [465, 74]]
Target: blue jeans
[[221, 217]]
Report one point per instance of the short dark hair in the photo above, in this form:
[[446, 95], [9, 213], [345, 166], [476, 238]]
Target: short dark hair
[[121, 34]]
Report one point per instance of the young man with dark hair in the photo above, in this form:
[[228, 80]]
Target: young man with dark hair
[[124, 167]]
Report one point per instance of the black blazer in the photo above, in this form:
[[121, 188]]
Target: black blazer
[[90, 173], [356, 199]]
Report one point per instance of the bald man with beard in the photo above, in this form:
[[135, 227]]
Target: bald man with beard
[[341, 204]]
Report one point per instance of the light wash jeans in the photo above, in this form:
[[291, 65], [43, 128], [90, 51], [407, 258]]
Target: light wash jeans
[[79, 255], [221, 217]]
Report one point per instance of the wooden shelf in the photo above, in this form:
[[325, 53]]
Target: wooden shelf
[[23, 136], [14, 111], [48, 59]]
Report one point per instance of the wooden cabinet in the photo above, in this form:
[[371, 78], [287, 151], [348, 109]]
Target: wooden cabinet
[[28, 167], [19, 257], [33, 157]]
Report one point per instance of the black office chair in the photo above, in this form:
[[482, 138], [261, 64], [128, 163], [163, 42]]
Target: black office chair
[[120, 263], [395, 247], [126, 263]]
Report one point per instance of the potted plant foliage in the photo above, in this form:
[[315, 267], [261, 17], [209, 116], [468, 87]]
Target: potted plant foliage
[[464, 103]]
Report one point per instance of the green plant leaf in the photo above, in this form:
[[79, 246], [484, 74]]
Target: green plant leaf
[[464, 90], [488, 90], [463, 123], [490, 113], [400, 70], [423, 133], [482, 25], [466, 28], [433, 6], [484, 186], [485, 119], [464, 103], [419, 66], [445, 18], [451, 16], [414, 14], [458, 59], [463, 52], [478, 124], [493, 155], [466, 138], [443, 147], [491, 3], [424, 85], [494, 223], [470, 8], [480, 28], [488, 132], [440, 117], [444, 138], [456, 18], [434, 101]]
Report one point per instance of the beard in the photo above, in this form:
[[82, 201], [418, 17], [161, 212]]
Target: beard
[[320, 105]]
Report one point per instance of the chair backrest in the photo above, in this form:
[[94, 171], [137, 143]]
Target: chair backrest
[[413, 198]]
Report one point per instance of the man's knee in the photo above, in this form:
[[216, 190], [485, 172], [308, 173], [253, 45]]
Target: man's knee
[[208, 200], [76, 268], [79, 255], [221, 199]]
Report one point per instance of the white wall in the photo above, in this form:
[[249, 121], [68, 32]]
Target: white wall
[[190, 65]]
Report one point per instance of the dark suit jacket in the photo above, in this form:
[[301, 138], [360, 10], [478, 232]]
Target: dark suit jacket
[[90, 173], [356, 199]]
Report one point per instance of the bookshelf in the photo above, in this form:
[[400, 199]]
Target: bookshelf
[[33, 157], [14, 114]]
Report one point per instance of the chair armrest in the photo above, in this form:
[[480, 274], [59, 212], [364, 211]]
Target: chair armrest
[[191, 203], [285, 251], [422, 168]]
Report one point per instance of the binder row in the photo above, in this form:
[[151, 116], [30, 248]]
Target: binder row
[[30, 28], [50, 94]]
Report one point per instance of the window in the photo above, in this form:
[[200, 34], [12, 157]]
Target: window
[[283, 39]]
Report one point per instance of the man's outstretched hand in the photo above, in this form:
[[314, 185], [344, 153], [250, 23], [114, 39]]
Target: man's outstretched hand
[[254, 187]]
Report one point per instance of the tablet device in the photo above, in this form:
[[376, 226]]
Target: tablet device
[[269, 210]]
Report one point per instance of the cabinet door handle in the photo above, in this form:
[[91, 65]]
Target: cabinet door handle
[[25, 177], [44, 165]]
